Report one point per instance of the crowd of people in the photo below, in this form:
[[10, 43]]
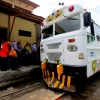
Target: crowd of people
[[13, 55]]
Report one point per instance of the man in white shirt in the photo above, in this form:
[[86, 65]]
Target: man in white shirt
[[34, 48]]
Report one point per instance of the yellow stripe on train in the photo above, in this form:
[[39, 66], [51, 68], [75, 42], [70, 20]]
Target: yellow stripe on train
[[68, 81], [49, 80], [56, 84], [53, 74]]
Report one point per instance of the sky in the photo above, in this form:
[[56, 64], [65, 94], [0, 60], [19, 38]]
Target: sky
[[48, 6]]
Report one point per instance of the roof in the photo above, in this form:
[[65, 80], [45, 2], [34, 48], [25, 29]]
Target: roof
[[30, 3], [19, 12]]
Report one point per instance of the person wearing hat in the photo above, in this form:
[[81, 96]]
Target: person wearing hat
[[27, 53], [34, 48], [34, 52]]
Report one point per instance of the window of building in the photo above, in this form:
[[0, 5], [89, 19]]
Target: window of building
[[24, 33]]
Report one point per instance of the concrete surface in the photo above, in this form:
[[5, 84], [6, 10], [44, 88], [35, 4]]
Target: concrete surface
[[9, 75]]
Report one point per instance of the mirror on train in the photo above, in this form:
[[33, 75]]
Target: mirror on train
[[87, 19]]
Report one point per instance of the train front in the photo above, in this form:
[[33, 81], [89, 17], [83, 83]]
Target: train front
[[63, 60]]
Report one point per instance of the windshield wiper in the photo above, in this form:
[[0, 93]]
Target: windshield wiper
[[72, 19]]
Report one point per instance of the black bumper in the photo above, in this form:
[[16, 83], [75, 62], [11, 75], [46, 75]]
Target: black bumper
[[68, 69]]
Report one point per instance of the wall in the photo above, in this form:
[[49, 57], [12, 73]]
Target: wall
[[38, 34], [21, 24], [3, 20]]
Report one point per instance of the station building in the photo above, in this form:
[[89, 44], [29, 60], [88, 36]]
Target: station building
[[18, 21]]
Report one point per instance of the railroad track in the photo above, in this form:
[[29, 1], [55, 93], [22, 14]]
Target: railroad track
[[39, 91], [90, 91], [21, 92]]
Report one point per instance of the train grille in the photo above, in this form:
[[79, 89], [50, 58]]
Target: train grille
[[54, 56], [54, 45]]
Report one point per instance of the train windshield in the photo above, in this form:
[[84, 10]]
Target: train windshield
[[63, 26], [67, 25], [48, 32]]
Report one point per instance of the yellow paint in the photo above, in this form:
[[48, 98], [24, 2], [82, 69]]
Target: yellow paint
[[52, 78], [60, 87], [63, 79], [59, 69], [46, 79], [59, 76], [53, 74], [43, 65], [49, 79], [68, 81], [43, 73], [56, 83], [54, 17], [48, 73]]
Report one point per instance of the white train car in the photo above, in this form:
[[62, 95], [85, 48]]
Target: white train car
[[70, 47]]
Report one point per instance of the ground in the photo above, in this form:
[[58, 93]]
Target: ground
[[91, 91]]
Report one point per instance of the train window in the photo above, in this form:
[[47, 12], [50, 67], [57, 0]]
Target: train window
[[97, 31], [90, 38], [48, 32], [68, 25], [92, 29], [98, 38], [90, 33]]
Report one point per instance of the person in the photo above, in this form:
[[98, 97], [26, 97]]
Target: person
[[34, 52], [4, 55], [9, 58], [15, 60], [38, 51], [19, 46], [20, 53], [27, 53]]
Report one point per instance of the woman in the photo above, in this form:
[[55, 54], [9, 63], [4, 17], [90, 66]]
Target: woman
[[4, 55], [27, 53], [19, 53]]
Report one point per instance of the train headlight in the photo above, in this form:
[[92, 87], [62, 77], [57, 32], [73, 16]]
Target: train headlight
[[72, 48], [56, 61]]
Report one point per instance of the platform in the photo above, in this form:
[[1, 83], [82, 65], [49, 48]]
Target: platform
[[23, 72]]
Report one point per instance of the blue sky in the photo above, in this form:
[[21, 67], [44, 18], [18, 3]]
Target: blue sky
[[48, 6]]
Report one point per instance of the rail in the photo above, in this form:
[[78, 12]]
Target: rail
[[21, 92]]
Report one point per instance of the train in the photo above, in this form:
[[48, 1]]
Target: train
[[69, 47]]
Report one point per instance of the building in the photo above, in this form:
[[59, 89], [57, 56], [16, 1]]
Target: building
[[17, 21]]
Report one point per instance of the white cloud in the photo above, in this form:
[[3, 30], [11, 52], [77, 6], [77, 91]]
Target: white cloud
[[47, 7]]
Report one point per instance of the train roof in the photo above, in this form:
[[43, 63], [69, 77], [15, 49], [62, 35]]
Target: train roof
[[61, 13]]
